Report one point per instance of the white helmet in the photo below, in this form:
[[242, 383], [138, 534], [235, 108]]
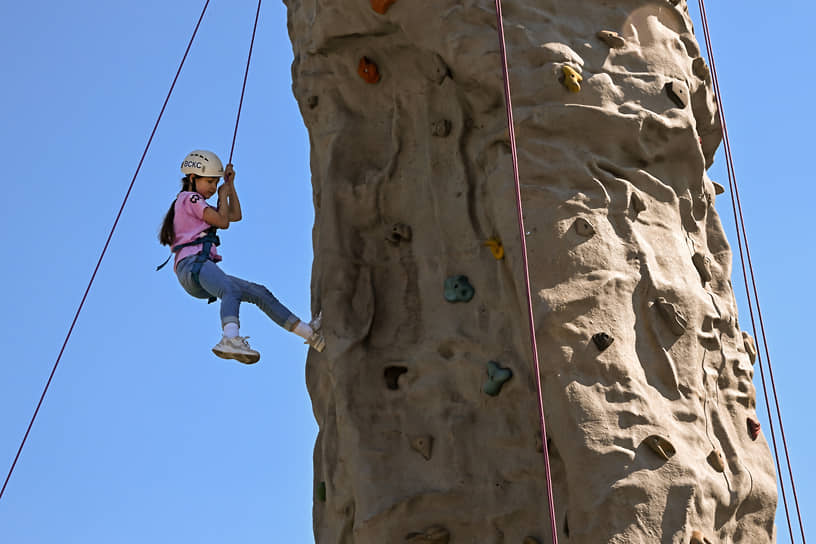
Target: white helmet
[[202, 163]]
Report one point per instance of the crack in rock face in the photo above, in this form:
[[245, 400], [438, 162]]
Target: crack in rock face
[[654, 438]]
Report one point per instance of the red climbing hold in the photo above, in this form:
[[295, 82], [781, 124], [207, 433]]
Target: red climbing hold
[[381, 6], [753, 428], [368, 70]]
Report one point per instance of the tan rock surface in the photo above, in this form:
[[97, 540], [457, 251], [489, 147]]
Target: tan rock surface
[[412, 175]]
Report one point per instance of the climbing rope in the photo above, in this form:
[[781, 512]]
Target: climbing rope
[[243, 87], [530, 316], [104, 249], [743, 237], [121, 209]]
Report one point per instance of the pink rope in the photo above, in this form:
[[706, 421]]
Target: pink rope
[[243, 88], [102, 255], [742, 235], [531, 318]]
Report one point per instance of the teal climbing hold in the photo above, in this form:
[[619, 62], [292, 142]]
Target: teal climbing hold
[[321, 492], [496, 378], [458, 289]]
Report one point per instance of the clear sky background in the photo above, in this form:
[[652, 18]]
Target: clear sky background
[[145, 436]]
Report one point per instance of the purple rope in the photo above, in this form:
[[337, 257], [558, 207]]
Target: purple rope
[[243, 88], [531, 318], [102, 255], [742, 235]]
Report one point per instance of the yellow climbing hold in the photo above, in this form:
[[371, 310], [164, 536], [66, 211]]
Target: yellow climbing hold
[[496, 247], [572, 79]]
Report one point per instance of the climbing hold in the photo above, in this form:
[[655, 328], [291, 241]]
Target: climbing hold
[[636, 203], [678, 93], [458, 289], [612, 39], [392, 375], [753, 428], [584, 227], [434, 67], [676, 320], [381, 6], [496, 378], [312, 101], [698, 538], [700, 69], [715, 459], [423, 444], [572, 79], [602, 340], [442, 128], [496, 247], [367, 70], [660, 446], [399, 233], [750, 347], [701, 263], [531, 540], [320, 492], [432, 535]]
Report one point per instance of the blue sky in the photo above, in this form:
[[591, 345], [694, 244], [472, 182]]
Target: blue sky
[[145, 436]]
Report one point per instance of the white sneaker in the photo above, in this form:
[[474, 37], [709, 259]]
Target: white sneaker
[[316, 340], [236, 348]]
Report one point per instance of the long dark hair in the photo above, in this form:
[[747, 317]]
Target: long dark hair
[[167, 234]]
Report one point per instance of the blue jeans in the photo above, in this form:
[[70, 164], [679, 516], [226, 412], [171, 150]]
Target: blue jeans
[[232, 291]]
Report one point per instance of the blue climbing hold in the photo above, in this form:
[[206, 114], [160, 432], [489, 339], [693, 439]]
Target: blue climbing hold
[[496, 378], [458, 289]]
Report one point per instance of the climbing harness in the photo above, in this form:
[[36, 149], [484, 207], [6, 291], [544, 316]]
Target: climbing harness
[[742, 237], [207, 240], [119, 215], [531, 318]]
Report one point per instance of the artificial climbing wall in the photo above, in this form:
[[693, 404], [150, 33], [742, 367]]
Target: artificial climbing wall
[[425, 397]]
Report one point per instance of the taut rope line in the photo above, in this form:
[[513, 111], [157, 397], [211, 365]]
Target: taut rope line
[[531, 318], [742, 236], [243, 87], [104, 250]]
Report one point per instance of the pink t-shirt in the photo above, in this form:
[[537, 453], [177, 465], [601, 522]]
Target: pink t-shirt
[[189, 224]]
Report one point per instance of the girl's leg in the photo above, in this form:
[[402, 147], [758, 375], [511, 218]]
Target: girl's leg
[[261, 296], [185, 276], [220, 285], [232, 291]]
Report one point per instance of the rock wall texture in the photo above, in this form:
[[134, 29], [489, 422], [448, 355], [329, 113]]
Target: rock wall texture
[[425, 397]]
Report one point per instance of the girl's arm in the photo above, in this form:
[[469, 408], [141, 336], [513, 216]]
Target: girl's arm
[[233, 204], [218, 217]]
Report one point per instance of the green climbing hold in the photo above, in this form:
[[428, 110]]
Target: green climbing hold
[[321, 492], [496, 378], [458, 289]]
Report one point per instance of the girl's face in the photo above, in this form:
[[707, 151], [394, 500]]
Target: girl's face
[[207, 186]]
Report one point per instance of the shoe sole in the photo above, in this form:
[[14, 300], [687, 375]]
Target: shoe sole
[[240, 357]]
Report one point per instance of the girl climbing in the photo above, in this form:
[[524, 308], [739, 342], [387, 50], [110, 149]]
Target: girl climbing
[[189, 229]]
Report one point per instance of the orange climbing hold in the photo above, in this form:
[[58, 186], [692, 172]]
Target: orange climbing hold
[[381, 6], [367, 70]]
